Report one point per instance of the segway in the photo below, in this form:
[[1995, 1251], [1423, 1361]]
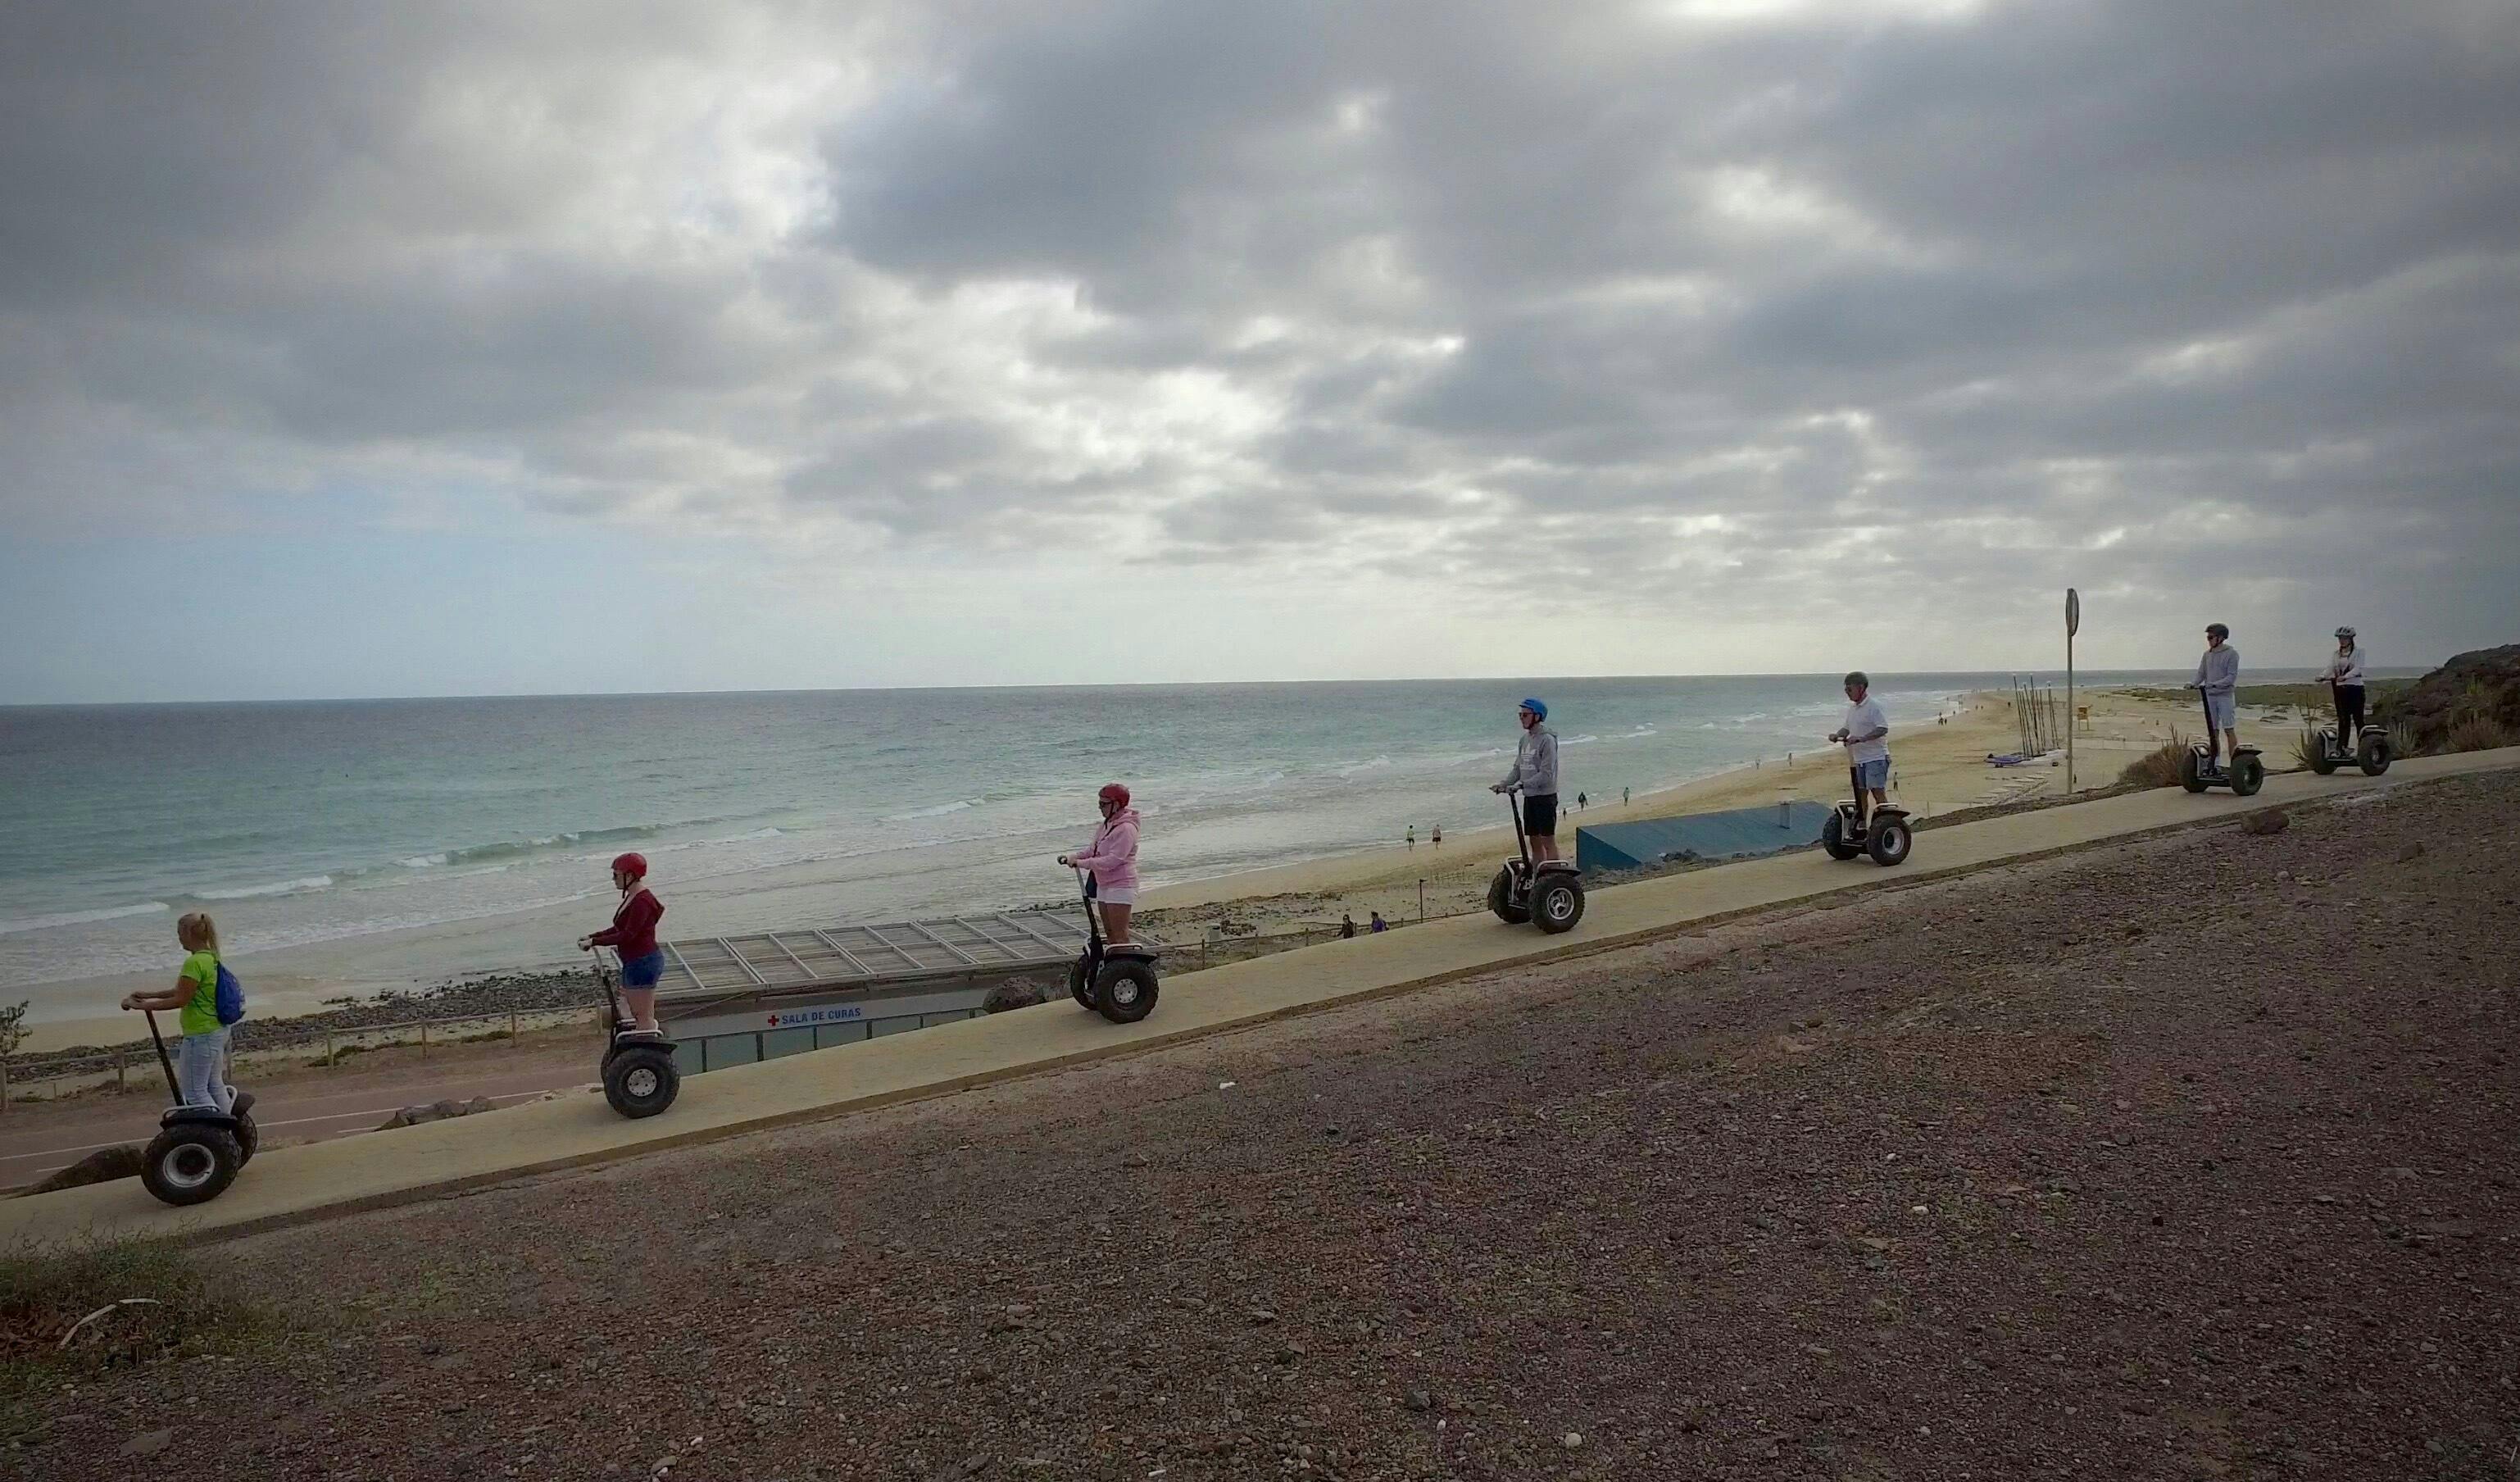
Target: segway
[[640, 1077], [2201, 766], [1115, 979], [2371, 749], [198, 1150], [1550, 895], [1848, 831]]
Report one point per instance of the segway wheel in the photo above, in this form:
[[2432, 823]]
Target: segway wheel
[[1832, 837], [2374, 755], [1126, 990], [642, 1079], [1077, 987], [2248, 774], [249, 1139], [1501, 900], [2322, 759], [1889, 842], [191, 1163], [2191, 774], [1557, 905]]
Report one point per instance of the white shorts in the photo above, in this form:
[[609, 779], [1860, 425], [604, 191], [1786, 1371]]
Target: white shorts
[[2221, 708], [1117, 895]]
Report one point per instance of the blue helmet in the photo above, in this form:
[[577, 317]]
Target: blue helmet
[[1536, 708]]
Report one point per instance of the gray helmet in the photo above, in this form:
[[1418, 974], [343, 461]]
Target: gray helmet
[[2216, 630], [2346, 632]]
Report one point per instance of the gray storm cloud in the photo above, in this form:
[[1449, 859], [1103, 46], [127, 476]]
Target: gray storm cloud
[[1784, 310]]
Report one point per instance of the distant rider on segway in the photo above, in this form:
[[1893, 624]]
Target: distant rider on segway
[[2218, 677], [1110, 862], [1535, 776], [2344, 671], [1865, 735]]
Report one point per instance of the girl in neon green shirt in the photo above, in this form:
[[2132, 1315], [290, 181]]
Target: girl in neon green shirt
[[201, 1072]]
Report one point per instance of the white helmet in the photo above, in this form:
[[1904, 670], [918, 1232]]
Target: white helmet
[[2345, 632]]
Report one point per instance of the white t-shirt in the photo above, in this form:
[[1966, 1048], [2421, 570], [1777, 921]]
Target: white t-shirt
[[1863, 718]]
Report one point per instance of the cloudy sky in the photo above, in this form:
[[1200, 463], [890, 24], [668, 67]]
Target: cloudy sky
[[394, 349]]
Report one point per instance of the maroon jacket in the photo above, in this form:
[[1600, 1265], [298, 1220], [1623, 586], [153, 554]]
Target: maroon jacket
[[633, 933]]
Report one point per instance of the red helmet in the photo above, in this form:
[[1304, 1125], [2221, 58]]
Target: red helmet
[[1113, 793], [634, 865]]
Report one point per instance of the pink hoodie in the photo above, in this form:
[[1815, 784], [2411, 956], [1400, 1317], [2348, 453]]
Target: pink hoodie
[[1113, 854]]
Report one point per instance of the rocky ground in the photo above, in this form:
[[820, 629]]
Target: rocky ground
[[2184, 1158]]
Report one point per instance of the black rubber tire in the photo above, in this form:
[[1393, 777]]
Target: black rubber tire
[[2374, 755], [2248, 774], [1556, 903], [1832, 837], [1124, 991], [191, 1163], [642, 1079], [1077, 988], [1501, 900], [1890, 842], [249, 1139], [2322, 760], [2189, 777]]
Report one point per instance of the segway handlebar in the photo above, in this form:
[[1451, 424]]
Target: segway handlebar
[[164, 1062]]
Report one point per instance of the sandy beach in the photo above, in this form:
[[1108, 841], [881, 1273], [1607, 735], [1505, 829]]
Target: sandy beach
[[1937, 769]]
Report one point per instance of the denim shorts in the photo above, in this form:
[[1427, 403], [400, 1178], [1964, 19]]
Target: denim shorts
[[643, 972], [1872, 774], [2221, 708]]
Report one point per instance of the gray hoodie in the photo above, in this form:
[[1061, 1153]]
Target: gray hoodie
[[2218, 672], [1535, 763]]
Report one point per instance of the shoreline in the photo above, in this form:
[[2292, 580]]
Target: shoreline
[[1939, 767]]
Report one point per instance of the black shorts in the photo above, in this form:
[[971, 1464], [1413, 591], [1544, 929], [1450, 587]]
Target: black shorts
[[1540, 814]]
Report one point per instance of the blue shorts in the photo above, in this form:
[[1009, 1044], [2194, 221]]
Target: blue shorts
[[643, 972], [1875, 774], [2221, 709]]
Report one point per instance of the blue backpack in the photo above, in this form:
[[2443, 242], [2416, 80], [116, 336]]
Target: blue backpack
[[231, 996]]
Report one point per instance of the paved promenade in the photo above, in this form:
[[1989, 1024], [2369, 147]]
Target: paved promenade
[[288, 1185]]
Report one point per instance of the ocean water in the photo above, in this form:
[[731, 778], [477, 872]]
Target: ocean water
[[302, 822]]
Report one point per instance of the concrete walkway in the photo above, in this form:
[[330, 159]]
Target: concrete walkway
[[292, 1184]]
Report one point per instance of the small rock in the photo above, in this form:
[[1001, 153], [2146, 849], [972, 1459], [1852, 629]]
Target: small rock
[[1262, 1317], [2411, 853], [1290, 1353], [2273, 821], [148, 1443], [1419, 1399], [1572, 1440]]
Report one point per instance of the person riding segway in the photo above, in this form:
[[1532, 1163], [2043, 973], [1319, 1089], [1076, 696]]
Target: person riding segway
[[1852, 829], [1536, 885], [2217, 679], [1115, 977], [640, 1077], [208, 1134], [2351, 742]]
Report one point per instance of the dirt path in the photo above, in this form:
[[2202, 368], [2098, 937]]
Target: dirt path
[[2191, 1157]]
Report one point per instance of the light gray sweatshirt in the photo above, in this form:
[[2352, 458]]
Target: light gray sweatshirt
[[1535, 763], [2218, 672]]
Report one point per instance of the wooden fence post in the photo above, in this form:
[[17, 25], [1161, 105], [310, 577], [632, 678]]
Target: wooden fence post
[[511, 1026], [424, 1039], [328, 1045], [119, 1087]]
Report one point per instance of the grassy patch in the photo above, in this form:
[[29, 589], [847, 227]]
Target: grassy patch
[[2313, 698], [2479, 733], [2308, 749], [2158, 767], [118, 1305]]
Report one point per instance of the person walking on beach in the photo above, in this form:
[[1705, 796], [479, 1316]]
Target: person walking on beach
[[1622, 797], [1379, 924], [200, 1071], [1582, 802], [1439, 838], [1866, 738], [631, 936], [2344, 671], [1110, 862], [1347, 925], [1412, 835], [1535, 776], [2217, 675]]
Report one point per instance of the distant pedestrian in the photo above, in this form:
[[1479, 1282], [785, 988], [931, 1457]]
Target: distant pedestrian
[[1412, 835], [1622, 797], [1582, 802], [1438, 836], [1347, 925], [1379, 924]]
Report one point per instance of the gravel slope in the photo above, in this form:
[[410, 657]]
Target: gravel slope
[[2193, 1158]]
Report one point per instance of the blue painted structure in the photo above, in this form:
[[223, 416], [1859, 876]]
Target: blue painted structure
[[1735, 833]]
